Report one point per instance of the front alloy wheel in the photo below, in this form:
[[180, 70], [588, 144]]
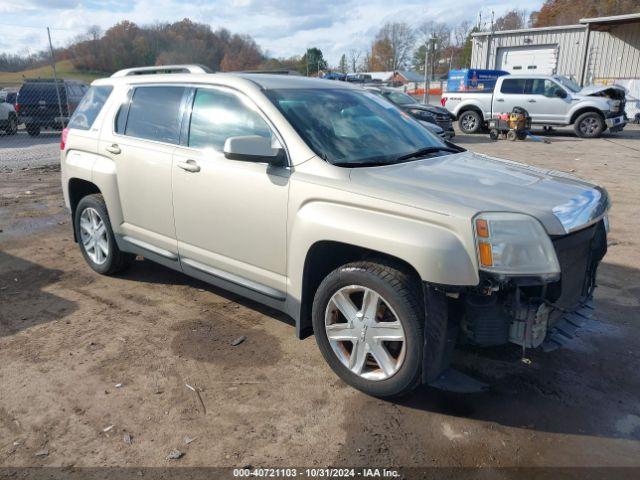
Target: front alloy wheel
[[365, 333], [368, 321]]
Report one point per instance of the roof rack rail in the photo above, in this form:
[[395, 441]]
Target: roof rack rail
[[159, 69]]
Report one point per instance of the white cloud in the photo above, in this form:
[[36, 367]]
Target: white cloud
[[281, 27]]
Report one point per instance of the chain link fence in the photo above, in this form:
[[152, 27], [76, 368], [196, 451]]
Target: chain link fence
[[35, 104]]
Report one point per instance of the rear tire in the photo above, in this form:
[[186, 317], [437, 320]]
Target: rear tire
[[470, 122], [589, 125], [33, 130], [95, 237], [388, 367]]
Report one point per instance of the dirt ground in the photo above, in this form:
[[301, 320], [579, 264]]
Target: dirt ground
[[87, 360]]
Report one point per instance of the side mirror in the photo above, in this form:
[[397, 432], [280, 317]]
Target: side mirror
[[560, 93], [254, 148]]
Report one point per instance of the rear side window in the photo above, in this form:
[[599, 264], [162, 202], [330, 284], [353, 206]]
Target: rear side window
[[90, 107], [513, 85], [218, 115], [154, 114]]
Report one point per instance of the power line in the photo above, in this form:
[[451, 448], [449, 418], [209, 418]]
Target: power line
[[43, 28]]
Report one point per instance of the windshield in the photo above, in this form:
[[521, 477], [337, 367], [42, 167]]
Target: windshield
[[351, 127], [400, 98], [568, 83]]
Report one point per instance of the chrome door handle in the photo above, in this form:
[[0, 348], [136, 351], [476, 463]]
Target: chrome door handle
[[189, 166], [115, 149], [531, 100], [499, 99]]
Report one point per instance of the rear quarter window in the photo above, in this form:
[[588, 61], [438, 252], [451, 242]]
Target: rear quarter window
[[89, 107]]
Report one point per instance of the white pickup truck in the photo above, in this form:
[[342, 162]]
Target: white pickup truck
[[550, 100]]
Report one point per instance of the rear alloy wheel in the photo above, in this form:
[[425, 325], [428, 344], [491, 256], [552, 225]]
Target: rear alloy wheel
[[470, 122], [589, 125], [96, 239], [12, 126], [368, 321]]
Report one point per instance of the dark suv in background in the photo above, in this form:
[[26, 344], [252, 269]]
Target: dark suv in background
[[39, 106]]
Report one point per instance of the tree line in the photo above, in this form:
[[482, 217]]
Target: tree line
[[396, 46]]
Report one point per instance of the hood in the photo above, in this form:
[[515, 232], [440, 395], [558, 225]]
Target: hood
[[468, 183], [426, 108], [613, 91]]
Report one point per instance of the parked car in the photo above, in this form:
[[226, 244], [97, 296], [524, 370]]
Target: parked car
[[323, 201], [39, 106], [550, 100], [424, 113], [8, 116], [358, 78]]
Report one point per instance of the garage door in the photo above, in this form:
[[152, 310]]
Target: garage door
[[528, 60]]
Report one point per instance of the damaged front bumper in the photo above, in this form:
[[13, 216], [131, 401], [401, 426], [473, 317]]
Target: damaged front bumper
[[530, 312]]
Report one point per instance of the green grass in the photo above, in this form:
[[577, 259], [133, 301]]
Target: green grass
[[64, 69]]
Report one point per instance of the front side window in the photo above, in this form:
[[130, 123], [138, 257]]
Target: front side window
[[568, 83], [352, 127], [154, 114], [89, 107], [218, 115], [542, 86], [513, 86]]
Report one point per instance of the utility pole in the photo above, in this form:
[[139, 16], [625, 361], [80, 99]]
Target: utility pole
[[425, 95], [55, 75]]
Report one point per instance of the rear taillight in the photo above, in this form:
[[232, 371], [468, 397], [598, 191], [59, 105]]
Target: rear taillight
[[63, 138], [17, 107]]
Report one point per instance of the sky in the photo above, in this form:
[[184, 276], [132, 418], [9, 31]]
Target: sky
[[281, 27]]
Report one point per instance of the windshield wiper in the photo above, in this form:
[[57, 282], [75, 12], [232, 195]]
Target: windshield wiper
[[423, 152]]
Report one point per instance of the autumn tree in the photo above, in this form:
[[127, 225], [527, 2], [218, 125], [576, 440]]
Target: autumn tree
[[392, 47], [512, 20], [567, 12]]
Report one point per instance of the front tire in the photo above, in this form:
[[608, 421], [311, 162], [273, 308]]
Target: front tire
[[589, 125], [368, 323], [95, 237]]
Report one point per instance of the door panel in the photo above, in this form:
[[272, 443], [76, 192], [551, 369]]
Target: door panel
[[230, 215], [144, 165], [511, 95], [544, 105]]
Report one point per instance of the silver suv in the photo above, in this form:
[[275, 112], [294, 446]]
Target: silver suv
[[326, 202]]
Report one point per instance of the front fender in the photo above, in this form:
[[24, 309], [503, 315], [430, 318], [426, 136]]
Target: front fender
[[438, 254], [589, 103]]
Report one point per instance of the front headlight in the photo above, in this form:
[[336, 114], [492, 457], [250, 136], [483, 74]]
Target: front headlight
[[514, 244], [422, 115]]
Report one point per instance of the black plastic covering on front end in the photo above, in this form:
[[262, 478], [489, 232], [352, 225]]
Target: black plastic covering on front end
[[440, 331]]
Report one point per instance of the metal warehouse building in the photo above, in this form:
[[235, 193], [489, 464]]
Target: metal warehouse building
[[598, 50]]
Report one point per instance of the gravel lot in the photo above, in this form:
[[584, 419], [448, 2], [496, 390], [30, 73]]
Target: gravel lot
[[68, 336], [22, 151]]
